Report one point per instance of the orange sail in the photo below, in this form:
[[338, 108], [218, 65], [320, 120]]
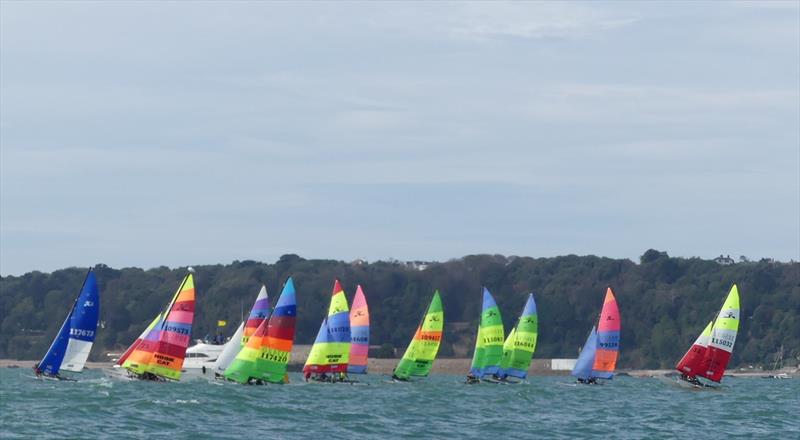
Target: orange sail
[[162, 351]]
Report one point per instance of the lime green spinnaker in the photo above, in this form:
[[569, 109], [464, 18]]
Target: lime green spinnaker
[[420, 354], [521, 343]]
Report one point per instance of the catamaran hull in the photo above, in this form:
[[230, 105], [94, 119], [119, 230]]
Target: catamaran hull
[[117, 373]]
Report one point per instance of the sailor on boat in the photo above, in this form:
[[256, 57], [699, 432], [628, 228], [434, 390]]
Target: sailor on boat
[[472, 379], [691, 379]]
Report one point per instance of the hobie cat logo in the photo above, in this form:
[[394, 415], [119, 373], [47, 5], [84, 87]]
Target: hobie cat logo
[[88, 303]]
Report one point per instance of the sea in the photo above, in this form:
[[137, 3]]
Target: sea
[[440, 406]]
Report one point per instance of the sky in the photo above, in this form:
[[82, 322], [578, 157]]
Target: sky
[[183, 133]]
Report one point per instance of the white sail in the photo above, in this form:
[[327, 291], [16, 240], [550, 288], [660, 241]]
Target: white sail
[[76, 354], [230, 351]]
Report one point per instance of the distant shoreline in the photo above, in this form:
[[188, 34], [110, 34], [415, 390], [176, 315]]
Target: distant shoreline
[[454, 366]]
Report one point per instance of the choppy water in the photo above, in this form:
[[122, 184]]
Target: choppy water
[[438, 407]]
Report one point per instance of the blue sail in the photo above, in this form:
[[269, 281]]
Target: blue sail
[[83, 325], [51, 363], [71, 346], [583, 366]]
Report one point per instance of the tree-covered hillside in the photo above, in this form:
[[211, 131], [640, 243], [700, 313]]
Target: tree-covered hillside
[[665, 302]]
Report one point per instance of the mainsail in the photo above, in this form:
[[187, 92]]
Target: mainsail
[[489, 341], [709, 355], [163, 349], [267, 352], [608, 329], [521, 343], [331, 349], [420, 354], [359, 334], [598, 358], [74, 340]]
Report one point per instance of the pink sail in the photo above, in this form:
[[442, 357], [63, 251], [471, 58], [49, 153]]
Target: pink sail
[[359, 334]]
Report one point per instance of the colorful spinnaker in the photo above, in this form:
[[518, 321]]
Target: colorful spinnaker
[[74, 340], [421, 352], [266, 355], [359, 334], [161, 352], [709, 355], [489, 341], [331, 350], [521, 343], [598, 359]]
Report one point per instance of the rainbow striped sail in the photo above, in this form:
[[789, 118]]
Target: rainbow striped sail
[[331, 349], [266, 355], [162, 351], [74, 340], [521, 343], [359, 334], [489, 341], [258, 314], [420, 354], [709, 355], [127, 353], [598, 359]]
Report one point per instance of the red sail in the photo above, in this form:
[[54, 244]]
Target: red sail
[[694, 362]]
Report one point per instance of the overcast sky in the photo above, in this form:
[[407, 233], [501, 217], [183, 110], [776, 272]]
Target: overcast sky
[[151, 133]]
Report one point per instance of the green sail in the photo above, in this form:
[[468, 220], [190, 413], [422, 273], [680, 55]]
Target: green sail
[[521, 343], [489, 341], [419, 356]]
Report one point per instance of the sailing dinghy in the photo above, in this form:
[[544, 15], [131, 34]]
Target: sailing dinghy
[[74, 340], [359, 334], [598, 358], [488, 343], [329, 356], [709, 355], [265, 356], [418, 358], [159, 351], [521, 343]]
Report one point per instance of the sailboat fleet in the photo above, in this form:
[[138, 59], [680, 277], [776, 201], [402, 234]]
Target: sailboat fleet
[[260, 349]]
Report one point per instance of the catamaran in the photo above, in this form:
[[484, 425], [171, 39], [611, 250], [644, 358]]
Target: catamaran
[[203, 359], [709, 355], [598, 358], [359, 334], [265, 356], [421, 352], [74, 340], [159, 351], [329, 356], [488, 343], [520, 344]]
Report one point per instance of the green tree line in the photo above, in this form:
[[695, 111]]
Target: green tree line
[[665, 302]]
